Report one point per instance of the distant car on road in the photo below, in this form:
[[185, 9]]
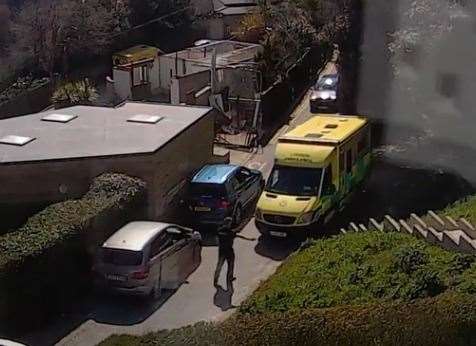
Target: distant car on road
[[144, 258], [324, 94], [221, 190]]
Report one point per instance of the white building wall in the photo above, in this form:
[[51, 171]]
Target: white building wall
[[154, 75], [122, 83], [175, 92], [166, 69]]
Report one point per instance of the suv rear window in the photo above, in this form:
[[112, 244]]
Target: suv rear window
[[121, 257], [204, 189]]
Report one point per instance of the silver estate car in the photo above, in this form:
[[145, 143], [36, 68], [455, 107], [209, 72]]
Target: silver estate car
[[144, 258]]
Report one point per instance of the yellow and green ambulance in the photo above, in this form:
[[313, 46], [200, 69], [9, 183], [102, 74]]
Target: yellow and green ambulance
[[317, 165]]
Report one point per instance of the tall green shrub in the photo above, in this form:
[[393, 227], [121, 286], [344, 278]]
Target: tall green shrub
[[46, 263]]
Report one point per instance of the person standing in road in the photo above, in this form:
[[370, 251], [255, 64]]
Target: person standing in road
[[226, 237]]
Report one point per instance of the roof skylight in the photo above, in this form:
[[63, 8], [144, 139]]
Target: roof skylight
[[59, 118], [145, 118], [16, 140]]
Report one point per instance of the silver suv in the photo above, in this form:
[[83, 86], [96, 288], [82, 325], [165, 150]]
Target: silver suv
[[144, 258]]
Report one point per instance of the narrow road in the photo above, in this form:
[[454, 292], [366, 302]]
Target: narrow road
[[197, 300]]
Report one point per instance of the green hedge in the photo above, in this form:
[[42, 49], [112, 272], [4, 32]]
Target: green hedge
[[363, 268], [46, 263], [449, 319]]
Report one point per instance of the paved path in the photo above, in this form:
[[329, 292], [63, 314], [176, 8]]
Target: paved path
[[197, 300]]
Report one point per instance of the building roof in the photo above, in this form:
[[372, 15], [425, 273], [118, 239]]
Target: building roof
[[236, 10], [214, 174], [234, 7], [96, 131], [134, 235], [136, 54], [228, 53], [327, 128]]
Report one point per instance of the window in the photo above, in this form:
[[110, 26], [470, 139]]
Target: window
[[363, 145], [341, 161], [243, 175], [205, 189], [121, 257], [140, 75], [235, 184], [327, 182], [160, 243], [294, 181], [349, 161]]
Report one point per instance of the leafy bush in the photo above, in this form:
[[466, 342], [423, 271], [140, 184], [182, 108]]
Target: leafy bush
[[45, 264], [362, 268], [71, 93], [21, 85], [449, 319]]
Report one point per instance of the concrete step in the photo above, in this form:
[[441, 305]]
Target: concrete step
[[459, 240], [390, 224], [374, 225], [433, 236], [363, 228], [467, 227], [406, 227], [435, 221], [416, 220], [353, 227], [451, 224], [419, 231]]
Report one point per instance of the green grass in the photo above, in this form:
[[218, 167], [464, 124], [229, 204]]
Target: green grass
[[465, 208], [362, 268]]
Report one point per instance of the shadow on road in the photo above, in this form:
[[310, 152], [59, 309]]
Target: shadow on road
[[275, 248], [107, 309]]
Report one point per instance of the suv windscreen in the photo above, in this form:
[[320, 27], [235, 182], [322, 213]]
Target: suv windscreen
[[121, 257], [204, 189]]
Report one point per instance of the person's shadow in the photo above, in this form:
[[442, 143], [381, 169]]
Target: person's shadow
[[222, 297]]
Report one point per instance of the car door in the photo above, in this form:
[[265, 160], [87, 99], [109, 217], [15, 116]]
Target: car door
[[158, 245], [246, 180], [179, 261]]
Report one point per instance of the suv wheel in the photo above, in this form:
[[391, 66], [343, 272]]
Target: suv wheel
[[237, 216]]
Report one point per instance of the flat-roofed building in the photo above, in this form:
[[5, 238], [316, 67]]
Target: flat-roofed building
[[54, 155]]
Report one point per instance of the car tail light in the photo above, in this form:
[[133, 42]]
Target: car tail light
[[223, 204], [140, 275]]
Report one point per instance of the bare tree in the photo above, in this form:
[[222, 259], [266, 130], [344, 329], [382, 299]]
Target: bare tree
[[52, 31], [5, 27]]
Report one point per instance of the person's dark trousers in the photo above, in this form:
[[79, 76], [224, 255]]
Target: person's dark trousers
[[229, 257]]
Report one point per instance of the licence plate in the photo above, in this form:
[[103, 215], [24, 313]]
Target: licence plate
[[116, 278], [202, 209], [278, 234]]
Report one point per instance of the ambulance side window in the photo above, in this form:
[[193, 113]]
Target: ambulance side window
[[328, 187], [341, 161], [349, 161]]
